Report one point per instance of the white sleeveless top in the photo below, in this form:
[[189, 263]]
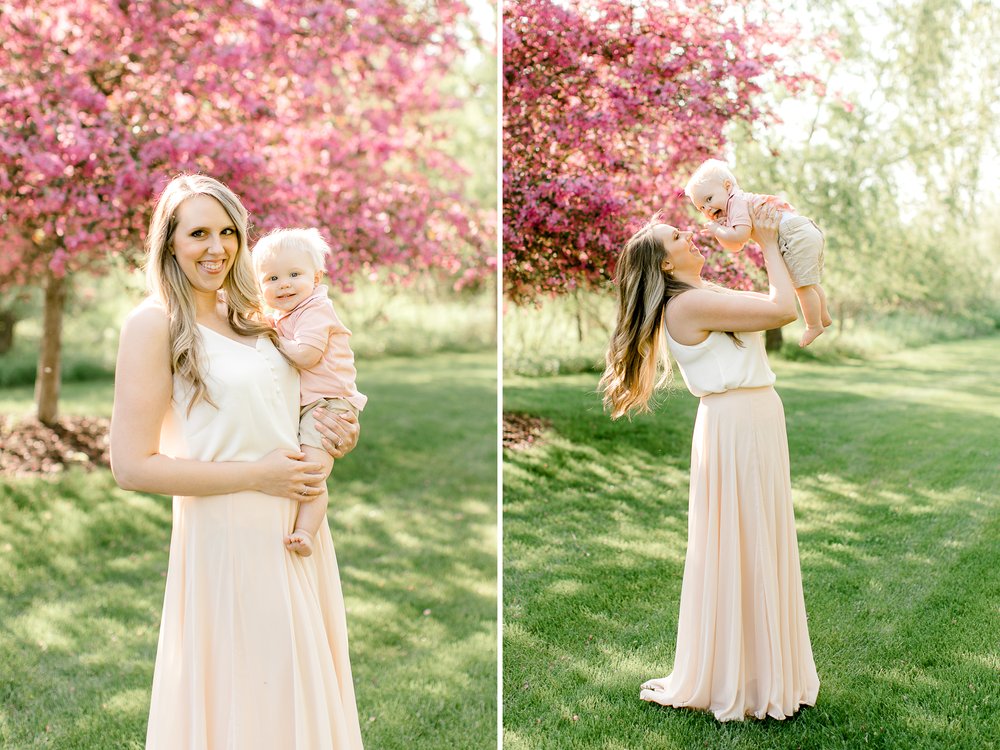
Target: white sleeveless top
[[717, 364], [256, 395]]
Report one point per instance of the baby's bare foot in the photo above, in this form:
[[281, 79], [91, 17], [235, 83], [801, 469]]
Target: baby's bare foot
[[810, 335], [827, 320], [300, 542]]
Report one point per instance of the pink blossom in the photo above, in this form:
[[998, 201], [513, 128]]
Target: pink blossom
[[608, 106], [312, 116]]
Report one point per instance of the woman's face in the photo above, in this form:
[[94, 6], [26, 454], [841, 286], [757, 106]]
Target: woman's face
[[681, 254], [205, 242]]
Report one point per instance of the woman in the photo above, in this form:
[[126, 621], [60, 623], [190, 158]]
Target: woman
[[742, 640], [253, 640]]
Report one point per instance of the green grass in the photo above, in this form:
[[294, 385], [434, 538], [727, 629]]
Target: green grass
[[896, 480], [570, 334], [413, 514], [387, 320]]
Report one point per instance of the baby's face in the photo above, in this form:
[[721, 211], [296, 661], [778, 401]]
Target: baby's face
[[286, 278], [710, 198]]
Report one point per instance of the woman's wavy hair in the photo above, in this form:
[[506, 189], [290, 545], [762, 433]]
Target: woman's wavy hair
[[637, 361], [166, 281]]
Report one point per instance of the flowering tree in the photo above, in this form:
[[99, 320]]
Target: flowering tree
[[608, 106], [315, 112]]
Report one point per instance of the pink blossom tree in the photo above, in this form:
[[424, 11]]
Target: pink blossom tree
[[315, 112], [608, 107]]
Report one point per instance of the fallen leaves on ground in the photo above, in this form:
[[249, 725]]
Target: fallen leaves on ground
[[521, 431], [29, 447]]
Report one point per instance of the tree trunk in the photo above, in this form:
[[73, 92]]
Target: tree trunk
[[773, 340], [7, 322], [579, 315], [47, 379]]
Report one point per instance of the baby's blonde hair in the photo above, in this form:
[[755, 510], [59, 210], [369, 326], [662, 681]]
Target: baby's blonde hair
[[710, 169], [282, 240]]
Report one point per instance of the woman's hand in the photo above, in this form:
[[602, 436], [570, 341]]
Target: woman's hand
[[284, 473], [767, 237], [340, 431], [766, 226]]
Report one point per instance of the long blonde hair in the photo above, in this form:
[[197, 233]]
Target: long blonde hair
[[637, 362], [166, 281]]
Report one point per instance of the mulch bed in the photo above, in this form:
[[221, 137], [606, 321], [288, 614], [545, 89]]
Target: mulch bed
[[521, 431], [29, 447]]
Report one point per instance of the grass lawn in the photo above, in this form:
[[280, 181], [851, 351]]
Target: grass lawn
[[896, 480], [413, 514]]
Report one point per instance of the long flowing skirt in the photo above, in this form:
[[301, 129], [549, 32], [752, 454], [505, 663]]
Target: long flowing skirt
[[742, 639], [252, 652]]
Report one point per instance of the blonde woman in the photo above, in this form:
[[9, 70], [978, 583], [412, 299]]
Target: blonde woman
[[252, 650], [742, 640]]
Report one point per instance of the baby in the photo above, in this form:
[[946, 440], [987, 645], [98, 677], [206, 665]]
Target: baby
[[733, 217], [288, 264]]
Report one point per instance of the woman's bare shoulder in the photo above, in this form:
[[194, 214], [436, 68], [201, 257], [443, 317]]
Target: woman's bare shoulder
[[148, 318], [696, 299]]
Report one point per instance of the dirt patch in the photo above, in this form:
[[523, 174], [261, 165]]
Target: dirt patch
[[29, 447], [521, 431]]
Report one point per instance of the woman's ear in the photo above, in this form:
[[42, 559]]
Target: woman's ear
[[666, 266]]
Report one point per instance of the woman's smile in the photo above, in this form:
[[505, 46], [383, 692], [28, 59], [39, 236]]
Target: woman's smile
[[213, 267]]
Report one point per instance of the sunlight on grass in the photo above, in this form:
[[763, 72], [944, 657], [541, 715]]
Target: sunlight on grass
[[895, 472], [413, 516]]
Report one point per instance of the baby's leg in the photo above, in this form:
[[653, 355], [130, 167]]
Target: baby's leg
[[824, 311], [810, 302], [311, 514]]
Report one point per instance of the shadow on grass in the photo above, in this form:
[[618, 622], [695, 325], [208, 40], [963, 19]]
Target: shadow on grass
[[81, 614], [896, 504], [413, 517]]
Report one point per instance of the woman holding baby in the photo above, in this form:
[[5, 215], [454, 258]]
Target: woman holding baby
[[252, 648], [742, 645]]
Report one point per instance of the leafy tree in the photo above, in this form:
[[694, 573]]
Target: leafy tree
[[315, 113], [607, 107], [893, 162]]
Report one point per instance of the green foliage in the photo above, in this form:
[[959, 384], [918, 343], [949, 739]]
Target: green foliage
[[896, 161], [423, 317], [570, 334], [894, 481], [413, 515], [558, 335], [472, 129]]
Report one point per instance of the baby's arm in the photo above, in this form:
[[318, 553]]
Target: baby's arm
[[302, 355], [731, 238], [734, 236], [311, 337]]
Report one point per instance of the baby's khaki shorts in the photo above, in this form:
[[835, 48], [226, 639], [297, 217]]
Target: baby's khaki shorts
[[308, 434], [801, 243]]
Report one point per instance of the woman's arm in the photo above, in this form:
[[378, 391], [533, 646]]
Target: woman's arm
[[143, 389], [701, 311]]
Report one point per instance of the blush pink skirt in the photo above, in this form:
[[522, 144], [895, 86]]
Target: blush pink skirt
[[742, 638]]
